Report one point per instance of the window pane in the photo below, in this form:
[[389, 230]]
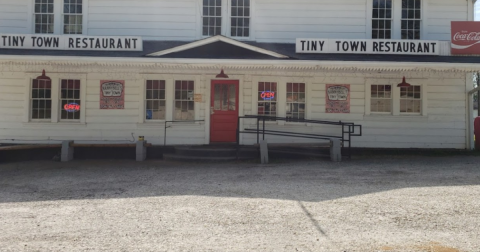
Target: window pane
[[381, 19], [184, 104], [155, 100], [411, 19]]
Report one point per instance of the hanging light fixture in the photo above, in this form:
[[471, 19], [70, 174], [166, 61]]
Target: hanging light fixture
[[43, 76], [404, 83], [222, 75]]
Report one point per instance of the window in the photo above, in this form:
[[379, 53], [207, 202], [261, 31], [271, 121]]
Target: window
[[70, 100], [67, 12], [396, 19], [411, 99], [240, 18], [155, 100], [72, 17], [184, 102], [382, 19], [41, 99], [44, 16], [238, 23], [267, 99], [381, 98], [411, 15], [212, 17], [295, 108]]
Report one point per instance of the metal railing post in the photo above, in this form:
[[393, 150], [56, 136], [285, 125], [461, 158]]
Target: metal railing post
[[165, 135], [258, 130], [238, 131], [264, 128]]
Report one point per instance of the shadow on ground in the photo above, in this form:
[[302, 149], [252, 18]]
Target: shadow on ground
[[311, 180]]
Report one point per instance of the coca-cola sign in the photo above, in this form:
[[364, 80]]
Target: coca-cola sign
[[465, 37]]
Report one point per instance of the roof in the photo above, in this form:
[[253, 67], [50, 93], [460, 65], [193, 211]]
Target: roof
[[226, 49]]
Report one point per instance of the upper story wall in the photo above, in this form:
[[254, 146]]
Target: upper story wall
[[268, 20], [14, 16]]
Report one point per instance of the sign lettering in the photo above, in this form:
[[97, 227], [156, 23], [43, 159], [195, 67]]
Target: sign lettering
[[67, 42], [268, 95], [72, 107], [377, 46], [338, 99], [465, 37], [112, 94]]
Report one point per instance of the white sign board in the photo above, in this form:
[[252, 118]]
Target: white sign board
[[368, 46], [69, 42]]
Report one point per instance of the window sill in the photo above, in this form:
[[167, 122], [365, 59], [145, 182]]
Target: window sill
[[395, 118]]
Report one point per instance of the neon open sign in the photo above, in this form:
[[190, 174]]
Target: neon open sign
[[268, 95], [72, 107]]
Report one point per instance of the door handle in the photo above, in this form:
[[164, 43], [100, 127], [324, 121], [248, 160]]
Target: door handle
[[211, 111]]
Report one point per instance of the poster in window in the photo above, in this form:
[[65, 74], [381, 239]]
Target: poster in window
[[337, 98], [112, 94]]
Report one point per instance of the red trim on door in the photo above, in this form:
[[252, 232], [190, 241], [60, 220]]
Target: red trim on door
[[224, 111]]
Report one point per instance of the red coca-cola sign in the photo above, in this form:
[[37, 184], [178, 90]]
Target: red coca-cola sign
[[465, 37]]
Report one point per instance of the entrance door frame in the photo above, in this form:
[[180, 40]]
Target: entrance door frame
[[210, 102], [207, 81]]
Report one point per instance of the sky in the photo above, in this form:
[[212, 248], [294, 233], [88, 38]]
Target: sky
[[477, 12]]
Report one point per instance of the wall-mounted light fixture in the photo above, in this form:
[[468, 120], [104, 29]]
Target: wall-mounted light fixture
[[404, 83], [222, 75], [43, 76]]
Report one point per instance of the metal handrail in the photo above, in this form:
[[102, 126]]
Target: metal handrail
[[165, 130], [348, 129]]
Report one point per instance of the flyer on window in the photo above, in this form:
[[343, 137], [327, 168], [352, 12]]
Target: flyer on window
[[337, 98], [112, 94]]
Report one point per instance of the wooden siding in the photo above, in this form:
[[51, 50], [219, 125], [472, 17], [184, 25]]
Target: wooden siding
[[153, 20], [271, 21], [439, 15], [442, 127], [14, 16], [284, 20]]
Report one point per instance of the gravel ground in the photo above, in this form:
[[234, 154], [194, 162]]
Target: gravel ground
[[388, 203]]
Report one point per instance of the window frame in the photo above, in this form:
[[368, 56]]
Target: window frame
[[282, 96], [72, 14], [407, 19], [422, 83], [58, 18], [56, 79], [396, 29], [187, 82], [145, 100], [38, 99], [270, 101], [60, 99], [169, 98], [382, 98], [52, 14], [226, 21]]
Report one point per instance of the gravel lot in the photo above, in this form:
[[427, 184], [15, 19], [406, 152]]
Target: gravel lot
[[388, 203]]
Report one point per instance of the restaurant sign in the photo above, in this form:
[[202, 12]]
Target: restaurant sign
[[70, 42], [465, 37], [368, 46], [112, 94], [338, 98]]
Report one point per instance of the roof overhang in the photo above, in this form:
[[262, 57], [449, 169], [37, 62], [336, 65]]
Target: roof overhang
[[7, 62], [214, 39]]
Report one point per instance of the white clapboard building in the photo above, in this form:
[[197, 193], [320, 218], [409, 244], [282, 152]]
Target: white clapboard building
[[113, 70]]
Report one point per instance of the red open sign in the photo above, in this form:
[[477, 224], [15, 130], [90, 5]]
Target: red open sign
[[72, 107], [267, 95]]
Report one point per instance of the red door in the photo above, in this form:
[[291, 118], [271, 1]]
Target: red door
[[224, 111]]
